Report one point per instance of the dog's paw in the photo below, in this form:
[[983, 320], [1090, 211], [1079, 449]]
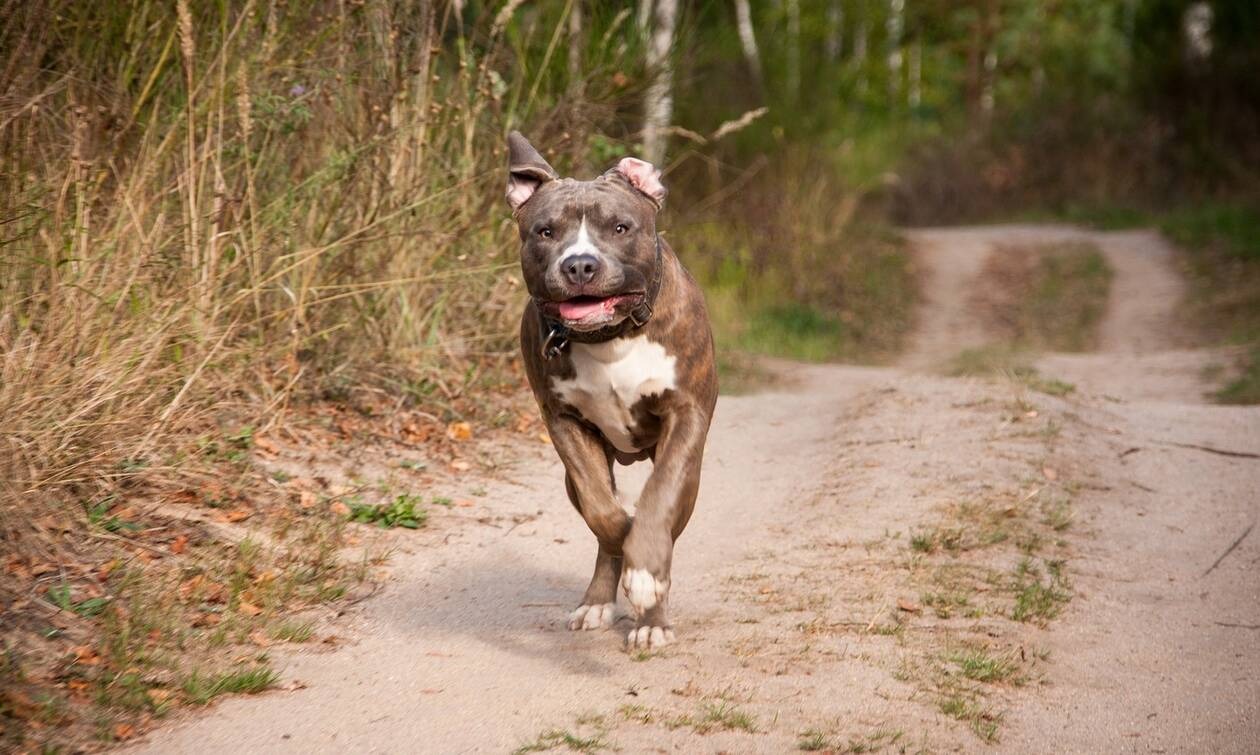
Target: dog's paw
[[649, 638], [597, 616], [642, 590]]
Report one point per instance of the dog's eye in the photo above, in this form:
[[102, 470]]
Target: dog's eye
[[545, 233], [622, 228]]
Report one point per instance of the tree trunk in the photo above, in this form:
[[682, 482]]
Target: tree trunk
[[794, 50], [644, 16], [835, 31], [914, 97], [659, 99], [896, 22], [748, 39], [859, 53], [576, 84]]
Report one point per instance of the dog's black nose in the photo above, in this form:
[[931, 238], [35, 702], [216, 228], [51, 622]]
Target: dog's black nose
[[580, 269]]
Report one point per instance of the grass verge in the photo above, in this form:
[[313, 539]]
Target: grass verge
[[1220, 247], [1048, 297]]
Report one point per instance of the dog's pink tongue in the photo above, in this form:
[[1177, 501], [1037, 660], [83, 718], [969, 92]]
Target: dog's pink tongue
[[576, 310]]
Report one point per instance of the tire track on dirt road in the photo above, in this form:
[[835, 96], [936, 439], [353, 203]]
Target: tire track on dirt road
[[798, 593]]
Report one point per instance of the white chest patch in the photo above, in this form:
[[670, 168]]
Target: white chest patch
[[610, 378]]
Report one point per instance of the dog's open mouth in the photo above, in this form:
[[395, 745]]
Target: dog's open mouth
[[581, 308]]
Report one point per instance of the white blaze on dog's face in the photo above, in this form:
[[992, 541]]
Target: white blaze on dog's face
[[588, 248]]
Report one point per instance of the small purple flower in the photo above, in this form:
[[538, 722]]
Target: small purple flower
[[297, 90]]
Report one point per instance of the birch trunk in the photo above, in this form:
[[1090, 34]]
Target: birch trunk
[[914, 97], [748, 38], [576, 84], [659, 99], [896, 22], [835, 31], [794, 50], [859, 53]]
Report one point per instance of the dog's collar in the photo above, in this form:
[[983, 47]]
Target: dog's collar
[[556, 337]]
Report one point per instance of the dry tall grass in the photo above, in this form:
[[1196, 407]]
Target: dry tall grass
[[222, 202]]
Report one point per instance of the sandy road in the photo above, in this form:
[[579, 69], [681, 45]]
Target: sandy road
[[792, 581]]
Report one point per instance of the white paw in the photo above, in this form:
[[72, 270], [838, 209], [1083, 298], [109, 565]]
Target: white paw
[[649, 638], [592, 617], [642, 590]]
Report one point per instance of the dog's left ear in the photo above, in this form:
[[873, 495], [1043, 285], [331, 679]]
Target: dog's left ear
[[643, 176], [527, 170]]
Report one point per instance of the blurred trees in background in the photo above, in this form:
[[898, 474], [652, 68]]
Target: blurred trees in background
[[229, 201]]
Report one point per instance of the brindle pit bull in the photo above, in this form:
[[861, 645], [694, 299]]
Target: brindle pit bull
[[619, 354]]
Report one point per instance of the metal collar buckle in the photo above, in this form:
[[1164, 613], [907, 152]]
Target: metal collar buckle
[[554, 343], [641, 314]]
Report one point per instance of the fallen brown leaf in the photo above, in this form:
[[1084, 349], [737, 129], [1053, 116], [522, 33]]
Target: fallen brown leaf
[[907, 606], [1050, 472], [249, 609], [179, 544], [238, 515], [339, 508], [207, 619], [86, 655], [104, 570], [459, 431], [124, 731]]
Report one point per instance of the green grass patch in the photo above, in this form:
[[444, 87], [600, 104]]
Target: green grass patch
[[1245, 387], [815, 740], [1045, 297], [978, 664], [795, 271], [793, 330], [982, 721], [1220, 246], [293, 631], [1038, 597], [201, 689], [1008, 360], [720, 716], [1233, 229], [401, 512], [563, 738]]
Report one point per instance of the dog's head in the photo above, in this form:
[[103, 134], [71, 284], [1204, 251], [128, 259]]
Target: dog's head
[[588, 248]]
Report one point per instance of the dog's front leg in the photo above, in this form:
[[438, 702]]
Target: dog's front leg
[[589, 483], [660, 516]]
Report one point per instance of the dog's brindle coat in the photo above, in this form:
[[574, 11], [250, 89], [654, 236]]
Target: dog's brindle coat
[[619, 354]]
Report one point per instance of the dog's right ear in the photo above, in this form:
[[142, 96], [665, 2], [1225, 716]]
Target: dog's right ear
[[527, 170]]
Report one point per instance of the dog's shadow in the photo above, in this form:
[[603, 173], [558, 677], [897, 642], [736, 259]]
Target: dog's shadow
[[509, 603]]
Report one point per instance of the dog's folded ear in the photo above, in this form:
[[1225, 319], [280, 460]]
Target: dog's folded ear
[[643, 176], [527, 170]]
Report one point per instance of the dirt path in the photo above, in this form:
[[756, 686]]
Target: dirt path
[[811, 608]]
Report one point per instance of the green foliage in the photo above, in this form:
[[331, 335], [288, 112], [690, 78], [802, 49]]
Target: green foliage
[[200, 689], [1221, 249], [401, 512], [1038, 597], [1232, 229], [1066, 298], [979, 665], [59, 595]]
